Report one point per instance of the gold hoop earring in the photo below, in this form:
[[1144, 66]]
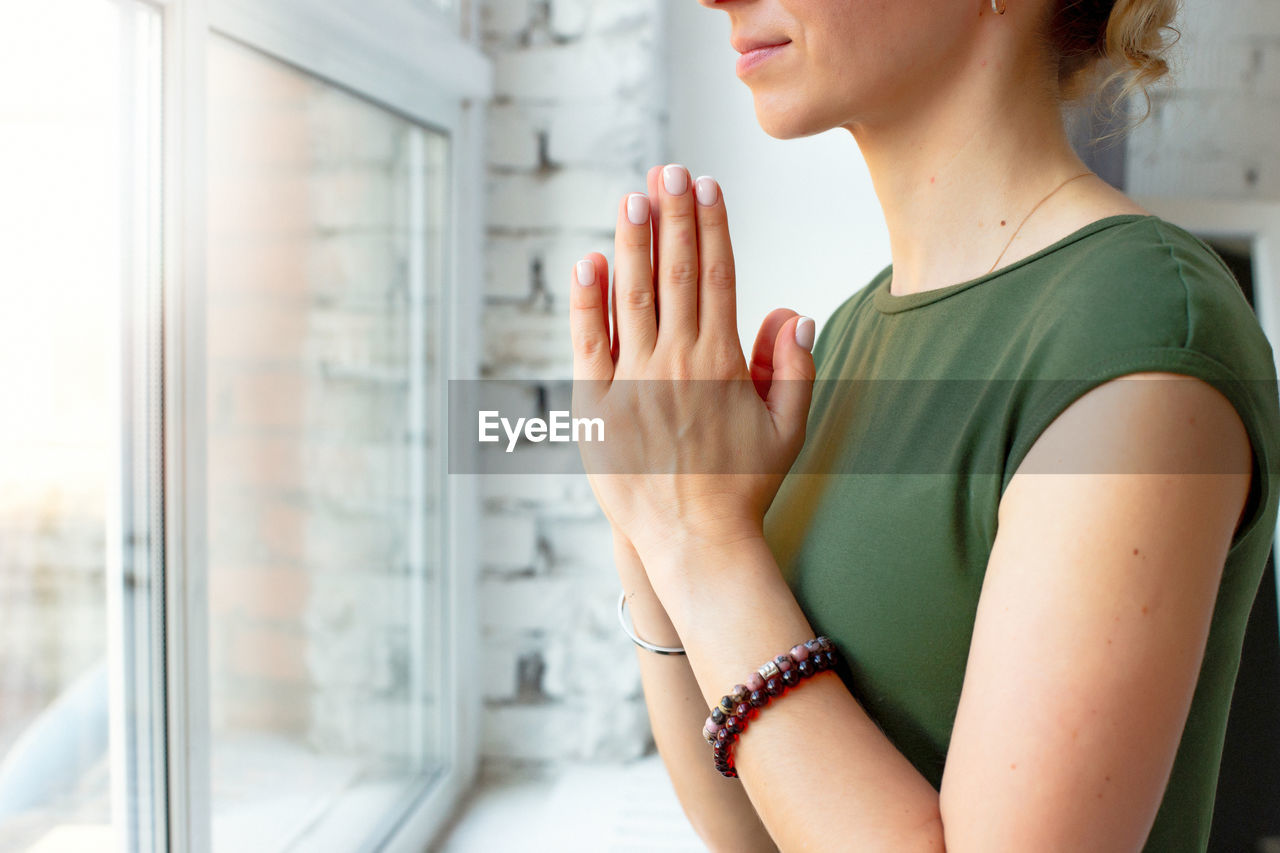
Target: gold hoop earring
[[997, 6]]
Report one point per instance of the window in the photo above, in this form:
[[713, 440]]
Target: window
[[233, 233], [323, 295], [81, 724]]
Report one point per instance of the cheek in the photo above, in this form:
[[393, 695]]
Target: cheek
[[864, 54], [876, 38]]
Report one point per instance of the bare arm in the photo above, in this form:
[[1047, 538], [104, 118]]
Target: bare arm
[[718, 808], [1089, 637]]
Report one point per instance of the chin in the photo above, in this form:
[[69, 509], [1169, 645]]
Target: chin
[[788, 119]]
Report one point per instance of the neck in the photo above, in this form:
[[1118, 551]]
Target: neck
[[957, 173]]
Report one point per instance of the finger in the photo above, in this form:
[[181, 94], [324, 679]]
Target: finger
[[637, 318], [613, 308], [652, 180], [762, 352], [589, 328], [678, 257], [793, 372], [717, 282]]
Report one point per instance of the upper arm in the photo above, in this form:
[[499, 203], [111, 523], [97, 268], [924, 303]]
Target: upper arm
[[1093, 618]]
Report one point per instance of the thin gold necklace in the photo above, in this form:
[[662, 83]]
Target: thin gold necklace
[[1028, 216]]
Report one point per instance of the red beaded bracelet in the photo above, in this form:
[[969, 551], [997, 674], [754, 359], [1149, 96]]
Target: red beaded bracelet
[[729, 719]]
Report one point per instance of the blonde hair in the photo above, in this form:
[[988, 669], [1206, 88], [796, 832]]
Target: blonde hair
[[1113, 48]]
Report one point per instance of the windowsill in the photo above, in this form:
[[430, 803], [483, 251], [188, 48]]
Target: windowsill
[[272, 793], [579, 808]]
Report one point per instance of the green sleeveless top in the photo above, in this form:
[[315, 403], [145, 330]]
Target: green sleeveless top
[[923, 407]]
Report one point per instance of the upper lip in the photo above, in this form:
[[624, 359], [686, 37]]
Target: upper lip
[[745, 45]]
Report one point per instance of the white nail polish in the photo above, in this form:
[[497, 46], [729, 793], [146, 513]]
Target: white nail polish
[[675, 179], [804, 333], [637, 208], [705, 187], [586, 273]]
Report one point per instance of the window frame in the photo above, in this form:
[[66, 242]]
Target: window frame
[[375, 49], [134, 560]]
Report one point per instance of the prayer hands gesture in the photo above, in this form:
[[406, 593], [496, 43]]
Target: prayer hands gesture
[[697, 443]]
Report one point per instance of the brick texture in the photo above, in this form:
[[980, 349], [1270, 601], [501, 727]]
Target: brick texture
[[576, 121], [1213, 126]]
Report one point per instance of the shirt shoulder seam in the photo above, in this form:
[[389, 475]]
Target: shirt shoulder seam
[[1186, 290]]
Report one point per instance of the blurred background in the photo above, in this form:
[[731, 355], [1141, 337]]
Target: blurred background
[[245, 245]]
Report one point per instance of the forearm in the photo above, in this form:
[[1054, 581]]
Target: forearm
[[820, 773], [718, 808]]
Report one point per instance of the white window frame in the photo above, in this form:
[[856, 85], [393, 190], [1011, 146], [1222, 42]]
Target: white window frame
[[417, 61], [1258, 224]]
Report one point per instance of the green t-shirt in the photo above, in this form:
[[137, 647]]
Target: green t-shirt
[[884, 524]]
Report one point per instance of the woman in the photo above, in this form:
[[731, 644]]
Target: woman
[[1027, 661]]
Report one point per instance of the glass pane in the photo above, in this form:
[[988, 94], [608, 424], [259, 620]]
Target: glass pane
[[325, 216], [79, 360]]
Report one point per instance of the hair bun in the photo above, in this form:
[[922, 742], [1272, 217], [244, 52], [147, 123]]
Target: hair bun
[[1101, 43]]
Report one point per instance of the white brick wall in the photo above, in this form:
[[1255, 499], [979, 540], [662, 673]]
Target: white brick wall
[[1213, 128], [576, 121]]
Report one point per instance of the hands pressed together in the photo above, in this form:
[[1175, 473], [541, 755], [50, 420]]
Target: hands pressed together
[[697, 446]]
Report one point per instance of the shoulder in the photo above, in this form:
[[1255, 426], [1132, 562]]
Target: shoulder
[[1149, 283], [1146, 296]]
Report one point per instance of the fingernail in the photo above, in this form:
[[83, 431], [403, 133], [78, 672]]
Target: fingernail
[[675, 179], [638, 208], [804, 333], [586, 273], [706, 190]]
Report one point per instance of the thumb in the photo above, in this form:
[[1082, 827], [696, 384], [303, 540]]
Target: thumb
[[793, 374]]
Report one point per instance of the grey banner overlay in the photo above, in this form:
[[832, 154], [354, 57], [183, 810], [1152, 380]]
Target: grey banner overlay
[[909, 426]]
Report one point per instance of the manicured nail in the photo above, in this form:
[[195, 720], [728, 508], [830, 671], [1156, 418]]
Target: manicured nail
[[804, 333], [638, 208], [675, 179], [706, 190], [586, 273]]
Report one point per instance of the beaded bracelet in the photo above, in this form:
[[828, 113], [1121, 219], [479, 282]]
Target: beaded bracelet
[[729, 719]]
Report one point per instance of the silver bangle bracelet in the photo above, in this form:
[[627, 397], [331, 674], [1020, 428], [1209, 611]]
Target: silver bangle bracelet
[[662, 650]]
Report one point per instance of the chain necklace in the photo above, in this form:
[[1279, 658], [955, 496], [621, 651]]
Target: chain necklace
[[1028, 216]]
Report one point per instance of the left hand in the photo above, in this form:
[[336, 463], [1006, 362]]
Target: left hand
[[698, 462]]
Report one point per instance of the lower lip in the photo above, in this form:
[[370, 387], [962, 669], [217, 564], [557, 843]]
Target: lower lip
[[752, 58]]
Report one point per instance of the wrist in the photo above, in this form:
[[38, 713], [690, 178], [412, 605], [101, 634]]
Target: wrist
[[699, 584], [693, 542], [648, 617]]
